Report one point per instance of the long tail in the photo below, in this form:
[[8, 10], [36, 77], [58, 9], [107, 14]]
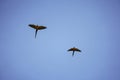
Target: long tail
[[73, 53], [36, 33]]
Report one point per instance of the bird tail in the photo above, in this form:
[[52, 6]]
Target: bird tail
[[73, 53], [36, 33]]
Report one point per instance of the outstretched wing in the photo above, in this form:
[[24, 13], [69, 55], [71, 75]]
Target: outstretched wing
[[71, 49], [78, 50], [74, 49], [33, 26], [41, 27]]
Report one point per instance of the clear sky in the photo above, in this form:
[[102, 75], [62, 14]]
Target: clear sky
[[93, 26]]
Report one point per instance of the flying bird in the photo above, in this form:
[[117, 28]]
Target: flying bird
[[37, 28], [74, 49]]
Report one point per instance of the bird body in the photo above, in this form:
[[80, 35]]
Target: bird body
[[74, 49], [37, 28]]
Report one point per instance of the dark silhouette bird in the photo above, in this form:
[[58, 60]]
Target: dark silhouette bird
[[37, 28], [74, 49]]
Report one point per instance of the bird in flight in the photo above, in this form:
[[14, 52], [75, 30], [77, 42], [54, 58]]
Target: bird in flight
[[37, 28], [74, 49]]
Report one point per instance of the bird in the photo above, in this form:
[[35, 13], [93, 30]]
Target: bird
[[37, 28], [74, 49]]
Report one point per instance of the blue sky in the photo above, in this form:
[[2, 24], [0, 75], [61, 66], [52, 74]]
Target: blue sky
[[90, 25]]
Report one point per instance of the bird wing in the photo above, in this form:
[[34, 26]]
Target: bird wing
[[78, 50], [33, 26], [41, 27], [74, 49], [71, 49]]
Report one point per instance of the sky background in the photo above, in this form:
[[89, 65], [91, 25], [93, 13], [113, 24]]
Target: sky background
[[93, 26]]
